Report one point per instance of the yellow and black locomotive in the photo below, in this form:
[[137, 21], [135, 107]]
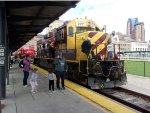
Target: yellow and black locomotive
[[93, 69]]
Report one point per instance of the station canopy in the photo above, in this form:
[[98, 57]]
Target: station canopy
[[26, 19]]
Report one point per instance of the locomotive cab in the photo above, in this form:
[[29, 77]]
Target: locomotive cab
[[78, 31]]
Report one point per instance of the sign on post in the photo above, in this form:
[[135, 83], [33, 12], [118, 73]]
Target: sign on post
[[2, 55]]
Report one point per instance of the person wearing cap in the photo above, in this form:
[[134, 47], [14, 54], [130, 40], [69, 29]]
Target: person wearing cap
[[26, 69]]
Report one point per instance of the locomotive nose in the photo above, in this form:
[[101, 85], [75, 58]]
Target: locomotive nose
[[99, 43]]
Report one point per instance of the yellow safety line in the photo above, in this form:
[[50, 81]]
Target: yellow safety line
[[99, 99], [93, 96], [42, 71], [73, 61], [91, 102]]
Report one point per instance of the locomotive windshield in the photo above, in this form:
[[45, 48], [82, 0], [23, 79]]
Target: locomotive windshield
[[83, 29]]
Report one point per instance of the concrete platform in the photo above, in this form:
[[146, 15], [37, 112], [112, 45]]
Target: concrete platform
[[21, 100], [99, 99], [138, 84]]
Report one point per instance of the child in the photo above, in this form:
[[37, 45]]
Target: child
[[51, 77], [33, 80]]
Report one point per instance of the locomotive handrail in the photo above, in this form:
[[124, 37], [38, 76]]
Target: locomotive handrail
[[79, 62]]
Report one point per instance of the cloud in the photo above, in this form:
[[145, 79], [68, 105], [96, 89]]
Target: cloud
[[112, 13]]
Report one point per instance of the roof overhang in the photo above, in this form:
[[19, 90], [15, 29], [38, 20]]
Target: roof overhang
[[27, 18]]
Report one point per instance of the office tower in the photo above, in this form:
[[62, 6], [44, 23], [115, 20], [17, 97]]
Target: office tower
[[135, 29], [139, 32], [130, 27]]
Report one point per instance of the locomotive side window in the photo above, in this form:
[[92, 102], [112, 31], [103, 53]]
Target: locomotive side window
[[70, 31]]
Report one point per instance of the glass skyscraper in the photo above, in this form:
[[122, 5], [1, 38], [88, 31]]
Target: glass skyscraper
[[135, 29]]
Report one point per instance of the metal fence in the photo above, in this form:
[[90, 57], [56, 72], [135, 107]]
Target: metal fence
[[138, 67]]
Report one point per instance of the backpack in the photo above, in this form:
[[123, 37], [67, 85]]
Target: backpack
[[86, 46], [21, 64], [83, 47]]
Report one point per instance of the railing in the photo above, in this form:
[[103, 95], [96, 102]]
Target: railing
[[134, 58], [138, 67]]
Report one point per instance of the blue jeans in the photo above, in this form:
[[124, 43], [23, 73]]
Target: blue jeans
[[60, 74], [110, 55]]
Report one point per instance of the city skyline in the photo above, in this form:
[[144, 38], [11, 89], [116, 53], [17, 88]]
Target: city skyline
[[112, 13], [135, 29]]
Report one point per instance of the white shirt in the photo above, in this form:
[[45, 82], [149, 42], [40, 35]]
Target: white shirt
[[46, 46], [115, 39], [51, 76], [12, 57], [34, 76]]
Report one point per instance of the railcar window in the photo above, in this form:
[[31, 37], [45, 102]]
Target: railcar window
[[70, 31]]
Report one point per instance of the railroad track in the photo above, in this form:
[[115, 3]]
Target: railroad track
[[135, 100], [127, 97]]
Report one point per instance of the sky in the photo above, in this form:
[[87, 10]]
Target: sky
[[112, 13]]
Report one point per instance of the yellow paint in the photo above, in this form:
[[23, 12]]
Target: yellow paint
[[73, 61], [42, 71], [93, 96], [99, 99], [78, 38], [101, 46], [96, 37], [89, 101]]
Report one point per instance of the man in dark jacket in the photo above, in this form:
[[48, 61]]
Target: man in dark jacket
[[60, 69], [86, 46]]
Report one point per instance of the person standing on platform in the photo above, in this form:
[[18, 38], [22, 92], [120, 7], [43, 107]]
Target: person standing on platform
[[26, 69], [51, 77], [60, 68], [11, 60], [33, 80]]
